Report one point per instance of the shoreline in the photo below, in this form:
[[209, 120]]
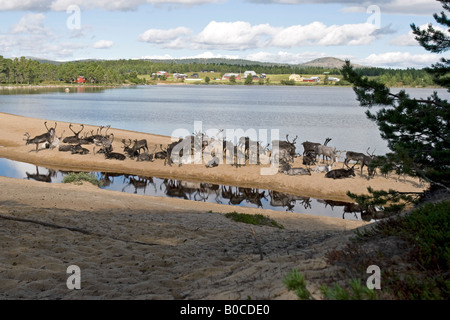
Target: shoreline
[[74, 85], [316, 185]]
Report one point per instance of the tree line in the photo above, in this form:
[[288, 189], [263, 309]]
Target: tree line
[[29, 71]]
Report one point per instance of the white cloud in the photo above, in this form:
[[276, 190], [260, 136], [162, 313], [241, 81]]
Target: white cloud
[[285, 57], [103, 44], [22, 5], [400, 60], [30, 24], [409, 38], [233, 35], [160, 36], [240, 35], [417, 7], [317, 33], [30, 37], [114, 5]]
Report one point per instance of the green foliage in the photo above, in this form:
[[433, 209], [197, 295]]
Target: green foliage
[[79, 177], [296, 282], [419, 242], [427, 228], [255, 219], [417, 130], [248, 80], [207, 79], [233, 79], [288, 82], [356, 291], [389, 202]]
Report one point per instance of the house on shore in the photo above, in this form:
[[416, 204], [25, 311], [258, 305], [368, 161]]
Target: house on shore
[[81, 79], [179, 75], [249, 72], [162, 73]]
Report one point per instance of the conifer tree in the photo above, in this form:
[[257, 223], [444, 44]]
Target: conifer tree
[[417, 130]]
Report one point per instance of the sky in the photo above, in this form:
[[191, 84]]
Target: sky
[[374, 33]]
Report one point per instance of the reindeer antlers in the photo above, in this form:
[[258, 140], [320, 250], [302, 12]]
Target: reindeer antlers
[[76, 133], [293, 141], [45, 124], [371, 155]]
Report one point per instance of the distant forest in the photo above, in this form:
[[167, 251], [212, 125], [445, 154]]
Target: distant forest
[[29, 71]]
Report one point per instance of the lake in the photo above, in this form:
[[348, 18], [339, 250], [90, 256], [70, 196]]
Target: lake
[[311, 113]]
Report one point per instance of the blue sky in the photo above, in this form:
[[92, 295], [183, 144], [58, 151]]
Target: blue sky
[[373, 33]]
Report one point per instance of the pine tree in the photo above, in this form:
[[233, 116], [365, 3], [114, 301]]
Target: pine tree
[[417, 130]]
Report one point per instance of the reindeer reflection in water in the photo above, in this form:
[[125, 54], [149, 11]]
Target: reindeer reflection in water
[[280, 199], [236, 195], [197, 191], [138, 182], [41, 177], [367, 214], [107, 178]]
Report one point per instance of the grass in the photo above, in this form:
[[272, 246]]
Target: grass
[[274, 79], [79, 177], [254, 219]]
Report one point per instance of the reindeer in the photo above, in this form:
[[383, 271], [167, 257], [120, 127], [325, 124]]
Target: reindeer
[[309, 148], [47, 137], [322, 168], [75, 138], [57, 141], [340, 173], [363, 159], [105, 142], [138, 145], [78, 149], [287, 169], [114, 155], [288, 146], [326, 152]]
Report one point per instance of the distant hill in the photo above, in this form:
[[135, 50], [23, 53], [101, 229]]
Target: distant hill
[[328, 62]]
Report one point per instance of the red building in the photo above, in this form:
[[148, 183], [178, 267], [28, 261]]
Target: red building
[[81, 80]]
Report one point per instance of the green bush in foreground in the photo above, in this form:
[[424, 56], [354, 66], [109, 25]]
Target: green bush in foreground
[[79, 177], [421, 275], [255, 219], [296, 282]]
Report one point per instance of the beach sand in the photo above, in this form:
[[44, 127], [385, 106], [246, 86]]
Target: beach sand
[[142, 247]]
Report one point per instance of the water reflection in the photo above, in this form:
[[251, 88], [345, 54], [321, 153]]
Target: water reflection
[[195, 191]]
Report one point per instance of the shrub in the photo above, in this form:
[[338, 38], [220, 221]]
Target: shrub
[[79, 177], [255, 219]]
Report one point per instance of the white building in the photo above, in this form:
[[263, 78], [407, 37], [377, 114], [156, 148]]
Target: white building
[[246, 73]]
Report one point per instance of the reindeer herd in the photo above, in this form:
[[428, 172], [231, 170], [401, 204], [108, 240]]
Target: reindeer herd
[[214, 151]]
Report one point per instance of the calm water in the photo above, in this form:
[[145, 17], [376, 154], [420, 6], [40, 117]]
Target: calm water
[[312, 113], [204, 192]]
